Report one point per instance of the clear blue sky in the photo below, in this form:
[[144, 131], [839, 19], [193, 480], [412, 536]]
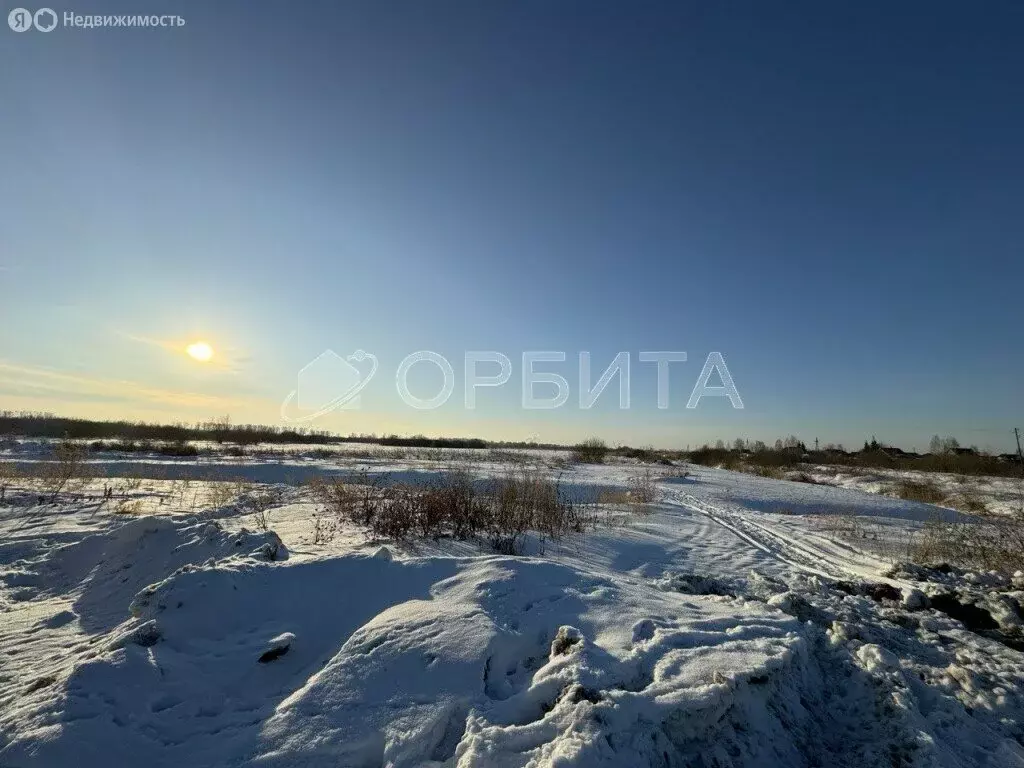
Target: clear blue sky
[[830, 194]]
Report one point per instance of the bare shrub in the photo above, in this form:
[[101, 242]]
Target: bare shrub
[[645, 454], [642, 487], [395, 515], [325, 527], [591, 451], [221, 494], [511, 512], [360, 499], [427, 510], [64, 473], [526, 500], [260, 521], [447, 506], [716, 457], [553, 516], [9, 475], [258, 503], [920, 490], [370, 498], [130, 485], [337, 499], [358, 502], [451, 506], [179, 489]]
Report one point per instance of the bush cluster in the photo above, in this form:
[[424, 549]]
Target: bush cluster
[[925, 491], [500, 511], [590, 451], [971, 464], [642, 487], [174, 448]]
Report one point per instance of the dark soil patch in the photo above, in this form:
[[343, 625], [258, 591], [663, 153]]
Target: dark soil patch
[[971, 616], [880, 592]]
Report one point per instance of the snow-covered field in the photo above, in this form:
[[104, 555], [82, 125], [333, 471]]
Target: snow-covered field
[[725, 624], [1000, 495]]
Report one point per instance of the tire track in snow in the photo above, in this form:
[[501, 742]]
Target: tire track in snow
[[779, 546]]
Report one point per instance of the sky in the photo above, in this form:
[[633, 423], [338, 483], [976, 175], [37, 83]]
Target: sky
[[831, 195]]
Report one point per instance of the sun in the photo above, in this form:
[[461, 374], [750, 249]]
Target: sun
[[200, 351]]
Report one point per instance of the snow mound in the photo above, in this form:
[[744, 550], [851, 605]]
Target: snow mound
[[484, 661], [277, 647], [515, 662], [188, 646], [104, 571]]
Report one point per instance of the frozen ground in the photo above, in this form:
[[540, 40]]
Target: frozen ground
[[723, 625]]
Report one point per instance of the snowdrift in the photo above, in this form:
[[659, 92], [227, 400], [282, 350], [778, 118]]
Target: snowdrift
[[171, 643], [371, 660]]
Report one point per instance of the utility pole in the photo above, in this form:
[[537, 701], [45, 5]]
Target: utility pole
[[1020, 455]]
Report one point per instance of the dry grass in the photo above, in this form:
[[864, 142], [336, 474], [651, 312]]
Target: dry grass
[[10, 476], [968, 500], [986, 541], [615, 496], [128, 507], [889, 542], [920, 490], [775, 473]]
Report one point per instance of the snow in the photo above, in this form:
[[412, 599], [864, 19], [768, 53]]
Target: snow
[[914, 599], [875, 658], [1000, 495], [723, 625]]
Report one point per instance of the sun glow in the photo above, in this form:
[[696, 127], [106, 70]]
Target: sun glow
[[200, 351]]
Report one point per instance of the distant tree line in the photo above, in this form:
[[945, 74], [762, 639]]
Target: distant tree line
[[220, 430], [421, 441], [14, 424], [945, 455]]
